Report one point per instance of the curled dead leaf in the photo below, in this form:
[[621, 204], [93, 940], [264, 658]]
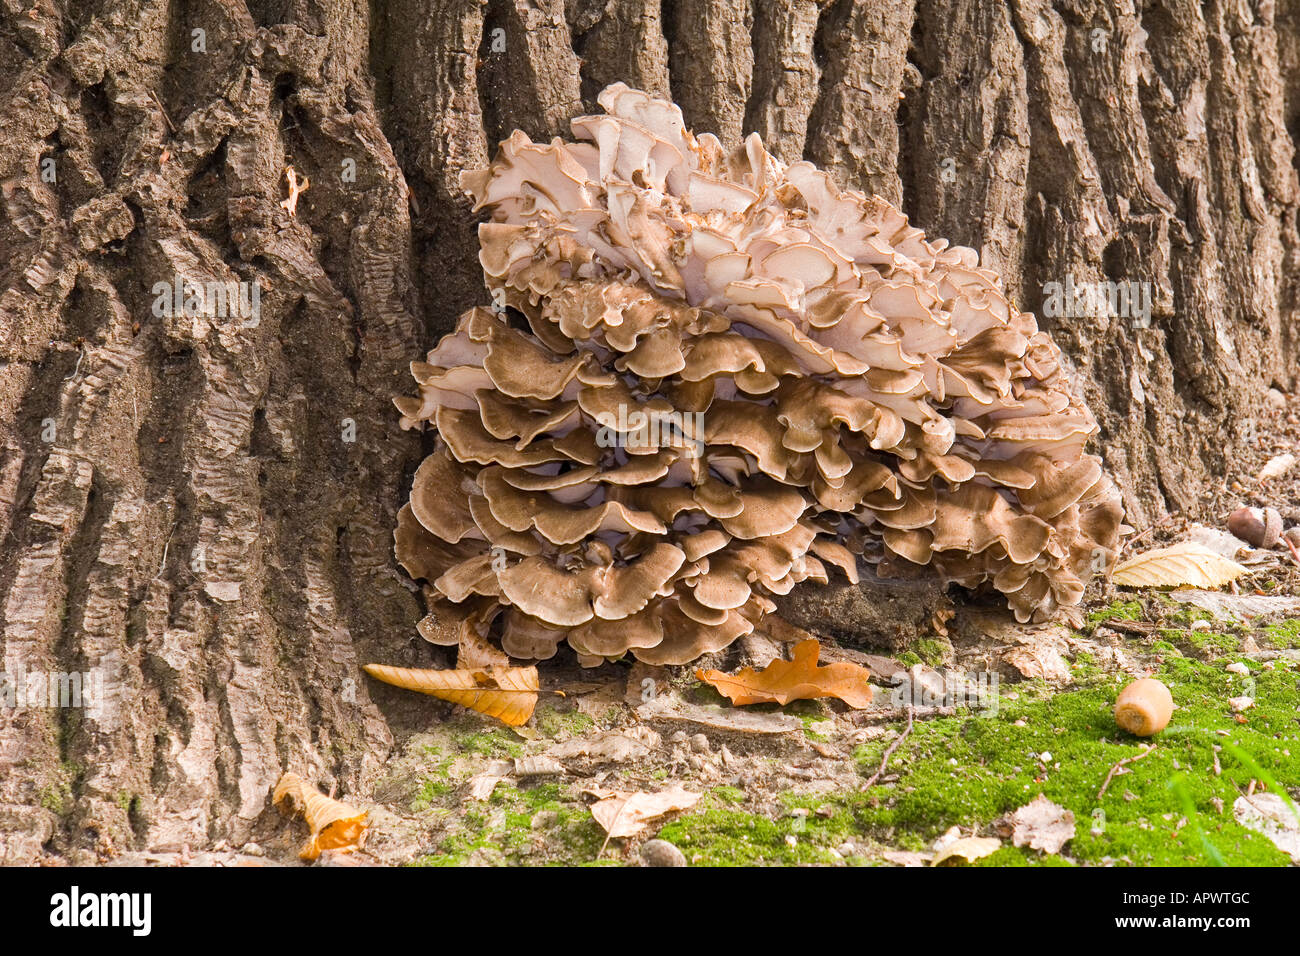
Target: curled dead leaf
[[485, 781], [1181, 564], [335, 825], [622, 813], [966, 848], [476, 653], [797, 679], [1276, 467], [1274, 816], [537, 765], [506, 693]]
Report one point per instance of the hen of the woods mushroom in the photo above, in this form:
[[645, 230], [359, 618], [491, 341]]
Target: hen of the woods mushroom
[[706, 378]]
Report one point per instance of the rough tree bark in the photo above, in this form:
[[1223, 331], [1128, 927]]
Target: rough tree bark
[[203, 510]]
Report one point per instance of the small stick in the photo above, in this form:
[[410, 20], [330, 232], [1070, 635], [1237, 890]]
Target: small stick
[[1146, 531], [1295, 555], [166, 544], [890, 751], [1123, 763], [167, 119]]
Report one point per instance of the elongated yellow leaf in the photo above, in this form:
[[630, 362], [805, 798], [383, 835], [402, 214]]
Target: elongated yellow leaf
[[1185, 563], [506, 693], [335, 825]]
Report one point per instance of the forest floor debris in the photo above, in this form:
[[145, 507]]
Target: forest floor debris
[[934, 770]]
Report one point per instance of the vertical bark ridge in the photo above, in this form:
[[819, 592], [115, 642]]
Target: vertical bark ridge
[[711, 60], [619, 43], [786, 75], [853, 129]]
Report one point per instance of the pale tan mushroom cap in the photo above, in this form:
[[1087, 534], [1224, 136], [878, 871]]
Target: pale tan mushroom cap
[[724, 375]]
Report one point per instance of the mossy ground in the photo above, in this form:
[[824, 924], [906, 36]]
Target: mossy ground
[[518, 825], [968, 770]]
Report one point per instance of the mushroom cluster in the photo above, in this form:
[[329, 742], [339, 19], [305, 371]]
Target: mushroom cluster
[[708, 377]]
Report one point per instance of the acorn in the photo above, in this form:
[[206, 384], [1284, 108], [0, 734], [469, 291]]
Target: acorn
[[1144, 707], [1258, 527]]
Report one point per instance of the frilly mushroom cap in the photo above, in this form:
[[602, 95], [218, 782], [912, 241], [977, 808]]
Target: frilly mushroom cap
[[708, 378]]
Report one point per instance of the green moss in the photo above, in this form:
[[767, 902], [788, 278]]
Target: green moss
[[430, 792], [489, 742], [1206, 640], [1125, 610], [728, 794], [503, 831], [972, 771], [555, 723], [808, 720], [932, 650], [1283, 635], [909, 659], [57, 798], [1085, 668], [705, 694], [967, 770], [721, 836]]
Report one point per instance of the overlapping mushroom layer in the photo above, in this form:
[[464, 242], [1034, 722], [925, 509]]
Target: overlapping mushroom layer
[[706, 377]]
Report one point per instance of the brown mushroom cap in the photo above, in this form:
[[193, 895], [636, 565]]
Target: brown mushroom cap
[[733, 376]]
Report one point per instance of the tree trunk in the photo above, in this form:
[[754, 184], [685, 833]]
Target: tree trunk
[[200, 509]]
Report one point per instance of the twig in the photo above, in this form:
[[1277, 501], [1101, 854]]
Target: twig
[[1143, 628], [1127, 545], [1124, 763], [167, 119], [166, 544], [1295, 555], [889, 752]]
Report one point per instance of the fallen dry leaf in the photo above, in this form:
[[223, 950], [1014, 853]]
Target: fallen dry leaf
[[334, 824], [612, 746], [1185, 563], [671, 710], [952, 847], [485, 781], [476, 653], [905, 857], [538, 765], [1042, 825], [506, 693], [1276, 818], [1276, 467], [623, 814], [1232, 607], [798, 679]]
